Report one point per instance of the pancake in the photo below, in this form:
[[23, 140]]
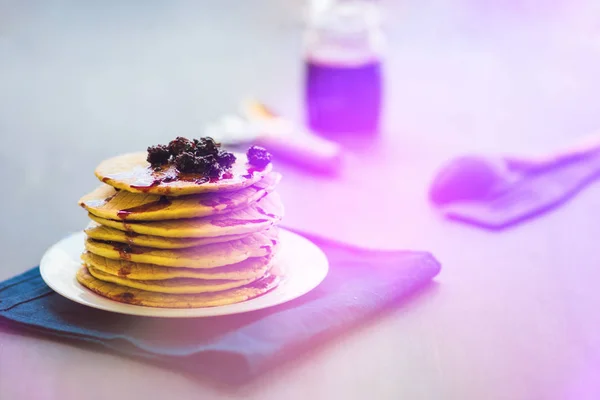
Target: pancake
[[107, 202], [104, 233], [251, 268], [259, 244], [256, 217], [131, 172], [124, 294], [177, 285]]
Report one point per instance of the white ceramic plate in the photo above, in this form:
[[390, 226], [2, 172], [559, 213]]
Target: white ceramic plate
[[303, 263]]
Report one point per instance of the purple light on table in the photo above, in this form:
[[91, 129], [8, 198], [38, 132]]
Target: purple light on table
[[584, 383]]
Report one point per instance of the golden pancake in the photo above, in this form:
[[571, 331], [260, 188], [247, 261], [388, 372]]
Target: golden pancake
[[124, 294], [107, 202], [131, 172], [251, 268], [256, 217], [104, 233], [259, 244], [177, 285]]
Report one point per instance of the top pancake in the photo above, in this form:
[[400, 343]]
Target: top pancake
[[107, 202], [131, 172]]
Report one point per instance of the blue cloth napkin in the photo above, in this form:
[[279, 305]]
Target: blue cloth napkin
[[232, 349], [536, 191]]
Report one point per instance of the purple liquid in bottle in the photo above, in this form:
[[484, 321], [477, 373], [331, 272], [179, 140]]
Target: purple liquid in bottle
[[343, 99]]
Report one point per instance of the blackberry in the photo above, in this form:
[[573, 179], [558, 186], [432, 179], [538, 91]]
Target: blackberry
[[214, 171], [205, 163], [225, 159], [186, 162], [206, 146], [180, 145], [201, 156], [258, 156], [158, 155], [208, 166]]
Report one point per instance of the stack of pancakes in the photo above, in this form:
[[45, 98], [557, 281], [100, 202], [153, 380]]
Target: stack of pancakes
[[162, 239]]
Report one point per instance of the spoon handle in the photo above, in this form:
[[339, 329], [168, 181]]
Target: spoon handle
[[581, 150]]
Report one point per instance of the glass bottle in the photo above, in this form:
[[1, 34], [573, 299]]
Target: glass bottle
[[343, 69]]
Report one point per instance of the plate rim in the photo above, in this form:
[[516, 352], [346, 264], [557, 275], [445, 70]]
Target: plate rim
[[196, 312]]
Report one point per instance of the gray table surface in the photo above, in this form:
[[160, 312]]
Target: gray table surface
[[513, 315]]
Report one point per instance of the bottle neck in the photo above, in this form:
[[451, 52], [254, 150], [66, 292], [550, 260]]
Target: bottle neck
[[346, 52], [349, 33]]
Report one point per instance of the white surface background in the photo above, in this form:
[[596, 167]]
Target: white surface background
[[513, 315]]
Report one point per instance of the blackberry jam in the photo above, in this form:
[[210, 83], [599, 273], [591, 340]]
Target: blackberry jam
[[343, 99]]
